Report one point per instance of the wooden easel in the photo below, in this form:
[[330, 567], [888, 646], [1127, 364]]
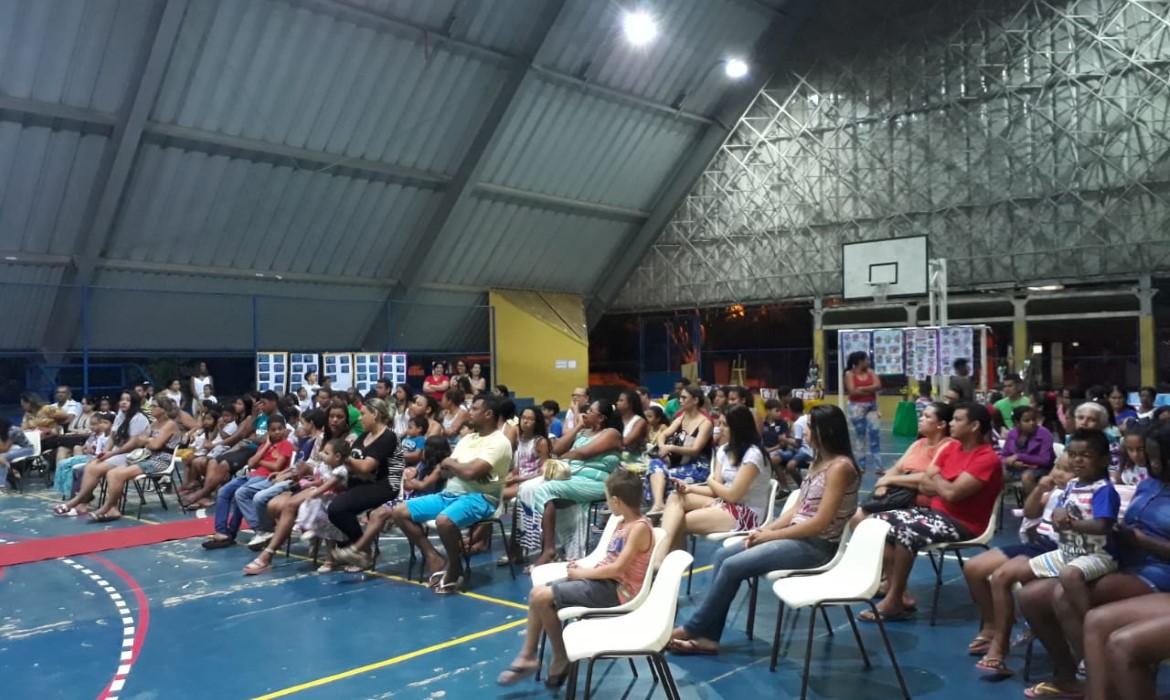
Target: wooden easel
[[739, 371]]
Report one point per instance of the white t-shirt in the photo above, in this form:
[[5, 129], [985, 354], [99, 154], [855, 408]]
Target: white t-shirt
[[799, 432], [71, 407], [761, 488]]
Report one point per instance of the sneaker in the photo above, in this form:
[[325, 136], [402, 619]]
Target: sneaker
[[257, 543]]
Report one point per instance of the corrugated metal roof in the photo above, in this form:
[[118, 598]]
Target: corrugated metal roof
[[496, 243], [496, 24], [46, 177], [272, 72], [27, 291], [441, 320], [564, 142], [694, 37], [190, 208], [68, 52]]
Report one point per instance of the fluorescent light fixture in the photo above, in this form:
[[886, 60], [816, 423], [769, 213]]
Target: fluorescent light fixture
[[10, 257], [1047, 288], [1076, 344], [735, 68], [1037, 349], [640, 27]]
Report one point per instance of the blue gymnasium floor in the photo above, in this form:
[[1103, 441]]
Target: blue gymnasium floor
[[195, 627]]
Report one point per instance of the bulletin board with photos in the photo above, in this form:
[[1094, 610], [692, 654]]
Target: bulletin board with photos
[[282, 371], [915, 352], [272, 371]]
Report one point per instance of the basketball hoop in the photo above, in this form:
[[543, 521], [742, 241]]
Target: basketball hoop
[[879, 290]]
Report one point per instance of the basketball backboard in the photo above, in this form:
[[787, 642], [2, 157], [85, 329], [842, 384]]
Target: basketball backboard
[[897, 263]]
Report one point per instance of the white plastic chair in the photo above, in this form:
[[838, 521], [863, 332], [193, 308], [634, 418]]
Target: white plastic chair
[[24, 465], [720, 536], [855, 579], [578, 612], [644, 631], [983, 541], [140, 482], [547, 573], [496, 519]]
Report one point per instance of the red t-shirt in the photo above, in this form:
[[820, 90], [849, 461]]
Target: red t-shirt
[[268, 451], [435, 381], [974, 511]]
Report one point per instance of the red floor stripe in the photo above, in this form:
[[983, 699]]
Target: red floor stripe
[[90, 542], [142, 623]]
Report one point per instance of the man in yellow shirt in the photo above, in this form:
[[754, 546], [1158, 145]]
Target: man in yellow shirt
[[475, 474]]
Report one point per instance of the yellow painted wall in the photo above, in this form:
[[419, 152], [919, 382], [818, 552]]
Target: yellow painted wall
[[1147, 350], [534, 331]]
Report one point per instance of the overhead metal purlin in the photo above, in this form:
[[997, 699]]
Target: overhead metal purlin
[[1027, 140]]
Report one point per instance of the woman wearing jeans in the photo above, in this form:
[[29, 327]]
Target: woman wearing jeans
[[802, 537], [862, 385]]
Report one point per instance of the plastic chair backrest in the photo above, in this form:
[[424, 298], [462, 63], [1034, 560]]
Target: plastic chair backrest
[[1058, 449], [790, 502], [862, 560], [989, 531], [771, 511], [598, 552], [34, 439], [656, 613]]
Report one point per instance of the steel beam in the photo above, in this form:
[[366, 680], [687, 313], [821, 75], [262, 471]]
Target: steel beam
[[84, 119], [459, 193], [366, 17], [608, 211], [242, 273], [768, 53], [114, 170]]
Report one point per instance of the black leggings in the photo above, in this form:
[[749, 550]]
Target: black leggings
[[346, 506]]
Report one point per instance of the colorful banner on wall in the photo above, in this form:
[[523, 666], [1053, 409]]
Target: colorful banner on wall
[[339, 367], [272, 371], [394, 367], [854, 341], [888, 352], [954, 343]]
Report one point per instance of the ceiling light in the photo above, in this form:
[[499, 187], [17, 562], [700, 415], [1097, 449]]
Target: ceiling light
[[1047, 288], [640, 27], [10, 257], [1037, 348], [735, 68]]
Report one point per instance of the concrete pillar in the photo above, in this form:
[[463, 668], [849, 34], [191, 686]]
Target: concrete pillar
[[1147, 347], [1021, 351]]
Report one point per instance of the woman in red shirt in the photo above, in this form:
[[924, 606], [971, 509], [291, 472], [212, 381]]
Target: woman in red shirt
[[435, 385], [862, 385]]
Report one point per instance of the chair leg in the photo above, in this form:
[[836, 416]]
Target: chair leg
[[588, 677], [655, 677], [753, 594], [856, 635], [1028, 660], [889, 649], [571, 689], [633, 668], [159, 492], [828, 625], [507, 548], [808, 645], [691, 569], [776, 637], [667, 677], [540, 655], [938, 582]]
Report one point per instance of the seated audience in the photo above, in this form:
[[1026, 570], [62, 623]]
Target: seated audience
[[804, 536], [633, 420], [1083, 520], [616, 579], [453, 415], [963, 483], [1027, 449], [250, 432], [475, 474], [1146, 397], [592, 451], [655, 424], [18, 447], [799, 453], [236, 500], [775, 430], [898, 487], [550, 409], [1013, 398], [95, 444], [1133, 467], [1123, 413], [1058, 618], [128, 433], [684, 449], [735, 496], [375, 475]]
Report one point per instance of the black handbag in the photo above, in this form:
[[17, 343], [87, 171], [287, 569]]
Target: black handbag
[[896, 498]]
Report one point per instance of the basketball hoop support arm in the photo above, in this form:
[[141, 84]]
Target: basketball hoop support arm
[[936, 276]]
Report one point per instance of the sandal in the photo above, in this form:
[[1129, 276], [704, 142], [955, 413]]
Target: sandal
[[436, 579], [515, 674], [95, 518], [995, 666], [869, 616], [979, 646], [689, 647], [445, 588], [62, 511], [326, 568], [1048, 689], [258, 566]]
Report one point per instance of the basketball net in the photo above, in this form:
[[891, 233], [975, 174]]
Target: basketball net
[[879, 290]]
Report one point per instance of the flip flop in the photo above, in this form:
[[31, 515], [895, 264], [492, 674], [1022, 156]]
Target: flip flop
[[978, 646], [67, 513], [445, 588], [519, 673], [869, 616], [95, 519], [1051, 690], [688, 647], [994, 666]]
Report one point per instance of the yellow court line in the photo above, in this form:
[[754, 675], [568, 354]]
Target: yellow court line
[[389, 662], [50, 499]]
